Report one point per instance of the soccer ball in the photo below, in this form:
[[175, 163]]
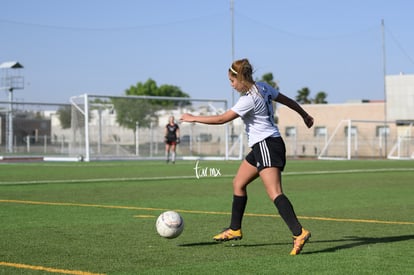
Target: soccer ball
[[170, 224]]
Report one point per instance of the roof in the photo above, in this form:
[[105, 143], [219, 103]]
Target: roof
[[11, 65]]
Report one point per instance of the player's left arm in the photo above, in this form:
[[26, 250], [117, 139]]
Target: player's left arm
[[177, 134], [308, 119]]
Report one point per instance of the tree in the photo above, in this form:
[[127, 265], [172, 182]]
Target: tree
[[268, 78], [65, 116], [147, 88], [143, 111], [130, 112], [150, 88], [320, 98], [173, 91], [303, 96]]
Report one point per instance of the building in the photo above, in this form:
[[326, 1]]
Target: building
[[358, 129], [376, 129]]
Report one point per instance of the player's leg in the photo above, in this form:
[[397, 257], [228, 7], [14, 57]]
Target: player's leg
[[167, 151], [271, 178], [246, 174], [285, 208], [271, 158], [173, 145]]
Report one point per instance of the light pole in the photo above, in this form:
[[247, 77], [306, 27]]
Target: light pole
[[232, 60], [384, 68], [232, 41], [11, 80]]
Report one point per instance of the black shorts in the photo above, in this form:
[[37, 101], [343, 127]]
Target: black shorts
[[270, 152], [171, 141]]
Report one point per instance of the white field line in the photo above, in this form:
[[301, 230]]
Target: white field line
[[327, 172]]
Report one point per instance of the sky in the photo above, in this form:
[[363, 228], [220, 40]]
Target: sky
[[74, 47]]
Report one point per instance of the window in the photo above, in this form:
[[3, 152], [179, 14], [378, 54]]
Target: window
[[204, 137], [320, 132], [354, 131], [290, 131], [382, 131]]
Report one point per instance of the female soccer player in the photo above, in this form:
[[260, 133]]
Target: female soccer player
[[172, 138], [267, 158]]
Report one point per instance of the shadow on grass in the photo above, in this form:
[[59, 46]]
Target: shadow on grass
[[198, 244], [232, 244], [353, 241]]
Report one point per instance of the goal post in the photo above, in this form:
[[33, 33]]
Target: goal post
[[79, 145], [334, 144], [353, 139], [133, 127], [403, 148]]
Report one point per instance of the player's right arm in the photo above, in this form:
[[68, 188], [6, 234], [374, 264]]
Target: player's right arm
[[216, 119]]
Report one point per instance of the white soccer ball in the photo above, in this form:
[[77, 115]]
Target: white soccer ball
[[170, 224]]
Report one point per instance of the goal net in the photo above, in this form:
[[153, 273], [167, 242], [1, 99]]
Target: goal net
[[353, 139], [133, 127], [404, 146]]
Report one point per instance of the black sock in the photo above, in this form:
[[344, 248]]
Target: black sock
[[287, 213], [237, 211]]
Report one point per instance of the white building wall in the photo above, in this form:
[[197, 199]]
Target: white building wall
[[400, 97]]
